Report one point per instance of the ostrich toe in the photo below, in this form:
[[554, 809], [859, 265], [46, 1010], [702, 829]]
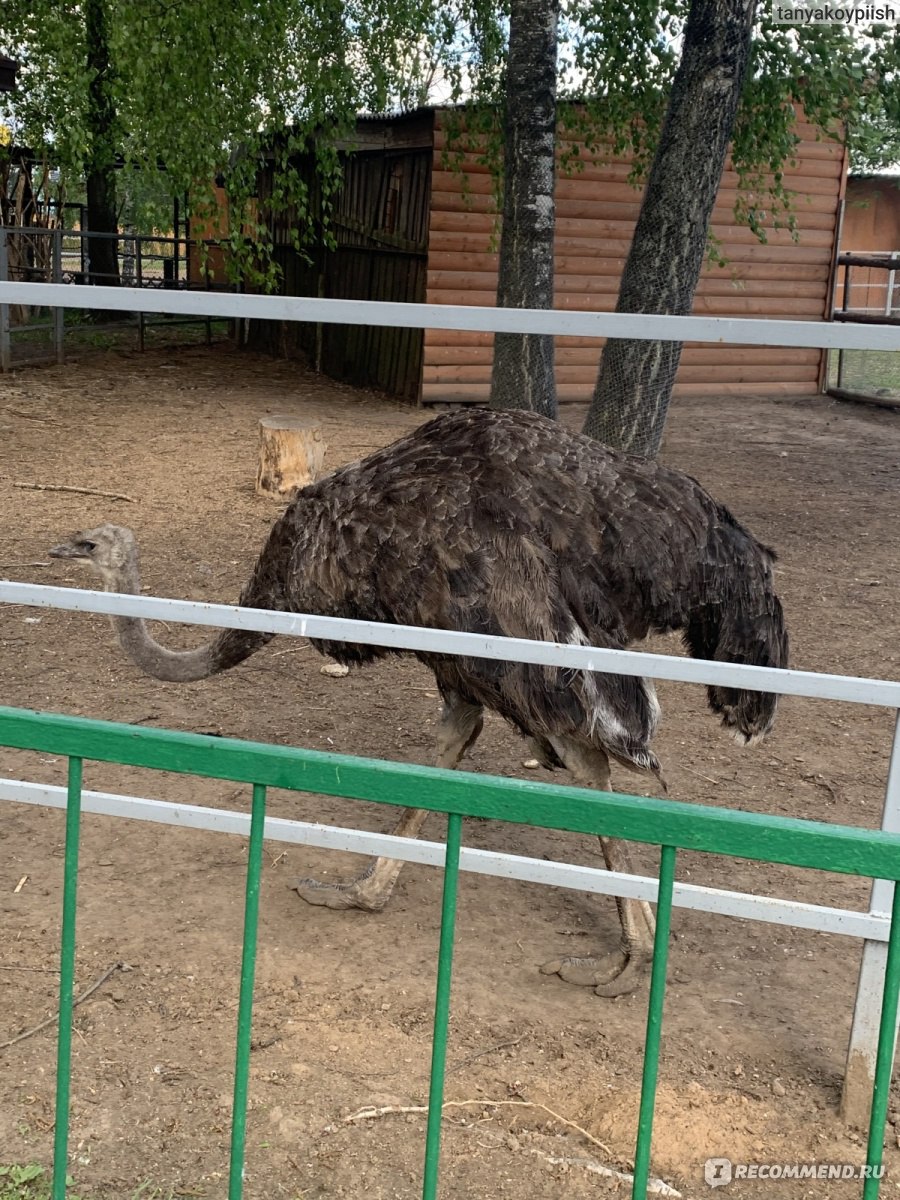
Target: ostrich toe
[[610, 975], [340, 895]]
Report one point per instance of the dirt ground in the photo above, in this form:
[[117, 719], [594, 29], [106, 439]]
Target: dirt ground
[[757, 1017]]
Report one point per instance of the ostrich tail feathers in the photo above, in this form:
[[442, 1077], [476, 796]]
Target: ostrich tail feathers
[[760, 641]]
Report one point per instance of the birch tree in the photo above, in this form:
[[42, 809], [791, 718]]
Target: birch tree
[[669, 84], [207, 87], [522, 374], [631, 397]]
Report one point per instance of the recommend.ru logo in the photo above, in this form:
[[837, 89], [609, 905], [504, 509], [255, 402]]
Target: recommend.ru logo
[[719, 1171]]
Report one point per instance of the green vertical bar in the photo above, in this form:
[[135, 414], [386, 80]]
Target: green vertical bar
[[654, 1022], [66, 981], [884, 1059], [245, 1005], [442, 1007]]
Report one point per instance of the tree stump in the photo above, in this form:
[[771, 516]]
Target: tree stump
[[291, 454]]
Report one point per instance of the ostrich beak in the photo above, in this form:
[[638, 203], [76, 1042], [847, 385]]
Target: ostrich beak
[[75, 549]]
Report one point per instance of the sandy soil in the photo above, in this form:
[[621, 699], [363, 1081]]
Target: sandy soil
[[757, 1017]]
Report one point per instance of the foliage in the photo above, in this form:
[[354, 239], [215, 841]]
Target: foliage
[[25, 1182], [874, 133], [212, 86], [19, 1181], [31, 1182], [834, 76], [209, 87], [616, 64]]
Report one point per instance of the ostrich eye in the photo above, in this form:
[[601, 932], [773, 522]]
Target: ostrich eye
[[88, 547]]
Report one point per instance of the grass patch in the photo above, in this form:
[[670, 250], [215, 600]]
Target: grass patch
[[31, 1182], [24, 1182]]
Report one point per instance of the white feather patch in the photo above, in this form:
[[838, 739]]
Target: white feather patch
[[601, 715]]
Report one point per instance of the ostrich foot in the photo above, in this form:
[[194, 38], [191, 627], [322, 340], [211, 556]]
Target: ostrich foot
[[369, 891], [340, 895], [615, 974]]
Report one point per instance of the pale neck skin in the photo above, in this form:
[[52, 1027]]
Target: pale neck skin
[[172, 666], [225, 650]]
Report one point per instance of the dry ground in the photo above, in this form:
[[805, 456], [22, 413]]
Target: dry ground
[[757, 1017]]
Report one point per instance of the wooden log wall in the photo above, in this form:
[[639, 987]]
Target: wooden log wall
[[596, 210]]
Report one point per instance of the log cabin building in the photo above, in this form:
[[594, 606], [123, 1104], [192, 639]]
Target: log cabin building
[[412, 224]]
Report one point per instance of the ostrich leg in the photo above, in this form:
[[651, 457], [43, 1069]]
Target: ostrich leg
[[457, 731], [621, 972]]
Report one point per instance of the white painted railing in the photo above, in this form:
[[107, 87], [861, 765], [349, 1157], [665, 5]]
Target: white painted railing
[[721, 901], [741, 331], [884, 693]]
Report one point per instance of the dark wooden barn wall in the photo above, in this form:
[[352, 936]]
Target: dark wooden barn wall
[[380, 226]]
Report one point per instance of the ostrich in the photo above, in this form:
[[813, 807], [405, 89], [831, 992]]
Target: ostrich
[[506, 524]]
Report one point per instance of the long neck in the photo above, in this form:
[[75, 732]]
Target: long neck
[[225, 650]]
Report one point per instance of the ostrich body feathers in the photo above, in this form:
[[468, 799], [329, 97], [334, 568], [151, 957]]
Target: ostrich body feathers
[[506, 524]]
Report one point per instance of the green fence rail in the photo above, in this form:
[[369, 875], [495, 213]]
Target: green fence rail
[[667, 824]]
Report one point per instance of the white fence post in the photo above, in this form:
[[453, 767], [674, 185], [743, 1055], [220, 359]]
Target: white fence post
[[859, 1076], [58, 314]]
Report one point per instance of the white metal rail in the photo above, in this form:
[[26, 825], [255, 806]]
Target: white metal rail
[[720, 901], [742, 331], [881, 692]]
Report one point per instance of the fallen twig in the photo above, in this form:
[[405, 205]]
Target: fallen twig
[[365, 1114], [822, 782], [17, 412], [655, 1187], [3, 566], [293, 650], [81, 491], [699, 774], [481, 1053], [85, 995], [37, 970]]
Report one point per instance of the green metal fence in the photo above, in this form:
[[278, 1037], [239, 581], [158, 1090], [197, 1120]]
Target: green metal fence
[[667, 824]]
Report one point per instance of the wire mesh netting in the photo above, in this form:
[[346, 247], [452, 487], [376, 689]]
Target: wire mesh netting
[[874, 371]]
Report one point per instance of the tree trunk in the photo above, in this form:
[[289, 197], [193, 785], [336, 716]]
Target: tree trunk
[[102, 216], [634, 385], [522, 374]]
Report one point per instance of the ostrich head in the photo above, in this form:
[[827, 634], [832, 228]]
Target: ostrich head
[[110, 550]]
